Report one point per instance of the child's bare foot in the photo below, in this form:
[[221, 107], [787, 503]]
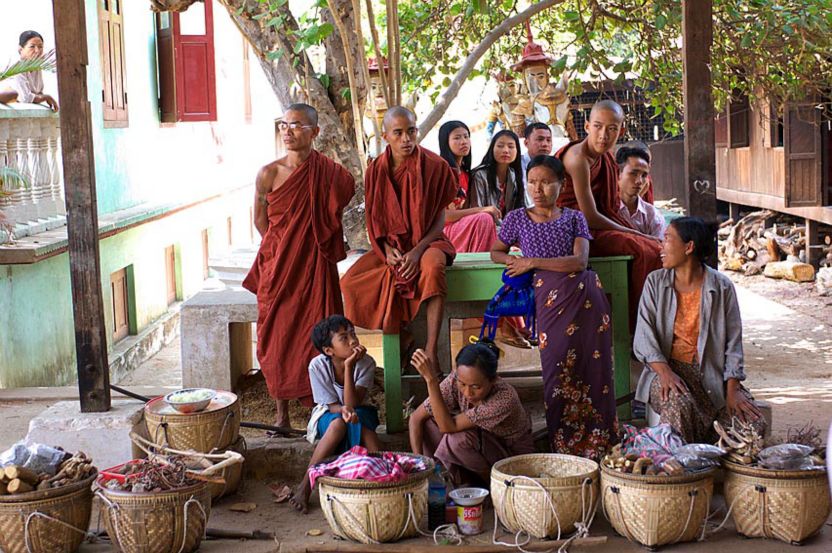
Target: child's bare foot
[[300, 497]]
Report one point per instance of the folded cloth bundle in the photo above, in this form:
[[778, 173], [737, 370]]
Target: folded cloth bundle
[[356, 464]]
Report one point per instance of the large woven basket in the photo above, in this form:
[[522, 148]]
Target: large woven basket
[[523, 486], [166, 522], [657, 510], [58, 519], [231, 475], [787, 505], [371, 512], [202, 432]]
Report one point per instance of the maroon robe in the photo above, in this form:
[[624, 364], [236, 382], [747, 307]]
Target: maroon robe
[[295, 274]]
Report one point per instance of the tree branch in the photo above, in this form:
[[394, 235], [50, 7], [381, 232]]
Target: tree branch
[[445, 99]]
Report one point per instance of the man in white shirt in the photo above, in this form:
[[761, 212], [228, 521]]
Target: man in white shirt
[[538, 142], [633, 170]]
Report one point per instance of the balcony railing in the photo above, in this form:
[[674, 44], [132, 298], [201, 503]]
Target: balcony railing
[[30, 144]]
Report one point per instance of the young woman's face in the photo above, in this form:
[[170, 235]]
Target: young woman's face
[[543, 186], [460, 142], [33, 49], [674, 251], [473, 384], [505, 150]]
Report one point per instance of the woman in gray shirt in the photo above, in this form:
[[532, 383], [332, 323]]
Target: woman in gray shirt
[[689, 335]]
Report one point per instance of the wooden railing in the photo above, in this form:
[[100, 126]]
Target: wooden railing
[[30, 145]]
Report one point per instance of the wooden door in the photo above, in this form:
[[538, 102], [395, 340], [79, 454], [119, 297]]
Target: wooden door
[[121, 318], [803, 155]]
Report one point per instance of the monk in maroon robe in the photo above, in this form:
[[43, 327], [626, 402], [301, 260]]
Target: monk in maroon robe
[[298, 206], [591, 185], [407, 189]]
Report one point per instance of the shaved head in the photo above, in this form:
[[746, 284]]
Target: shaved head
[[309, 113], [396, 112], [609, 106]]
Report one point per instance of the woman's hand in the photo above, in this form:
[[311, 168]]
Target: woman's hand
[[518, 265], [738, 404], [493, 211], [424, 365], [670, 382]]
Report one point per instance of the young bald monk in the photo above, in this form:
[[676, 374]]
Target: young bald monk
[[407, 189], [591, 185], [297, 210]]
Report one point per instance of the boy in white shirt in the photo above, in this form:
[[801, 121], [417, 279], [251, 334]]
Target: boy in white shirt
[[633, 170], [341, 378]]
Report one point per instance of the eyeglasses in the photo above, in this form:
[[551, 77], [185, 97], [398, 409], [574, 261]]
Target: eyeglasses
[[294, 126]]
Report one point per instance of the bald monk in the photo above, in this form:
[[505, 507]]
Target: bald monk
[[298, 204], [407, 189], [591, 185]]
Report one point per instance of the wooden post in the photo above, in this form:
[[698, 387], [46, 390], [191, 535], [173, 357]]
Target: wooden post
[[700, 149], [813, 242], [81, 206]]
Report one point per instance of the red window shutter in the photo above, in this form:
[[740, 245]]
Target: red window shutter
[[196, 84]]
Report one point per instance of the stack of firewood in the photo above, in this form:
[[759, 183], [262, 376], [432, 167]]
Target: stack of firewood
[[764, 242]]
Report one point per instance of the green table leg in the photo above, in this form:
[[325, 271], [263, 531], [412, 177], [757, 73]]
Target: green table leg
[[621, 337], [391, 347]]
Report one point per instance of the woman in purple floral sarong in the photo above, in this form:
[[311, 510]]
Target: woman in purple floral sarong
[[573, 314]]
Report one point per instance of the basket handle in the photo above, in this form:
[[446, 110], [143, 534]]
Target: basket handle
[[190, 501], [37, 514], [226, 459]]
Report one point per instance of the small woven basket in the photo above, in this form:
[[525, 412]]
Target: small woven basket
[[523, 486], [201, 432], [790, 506], [165, 522], [57, 519], [372, 512], [657, 510]]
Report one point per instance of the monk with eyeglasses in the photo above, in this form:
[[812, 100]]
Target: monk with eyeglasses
[[407, 189], [299, 200]]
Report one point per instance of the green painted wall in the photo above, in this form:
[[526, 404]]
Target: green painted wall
[[38, 343]]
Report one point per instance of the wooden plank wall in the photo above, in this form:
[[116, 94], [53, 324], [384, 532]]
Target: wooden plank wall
[[668, 171], [757, 168]]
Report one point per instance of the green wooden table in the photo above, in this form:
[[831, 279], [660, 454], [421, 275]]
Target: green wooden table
[[474, 277]]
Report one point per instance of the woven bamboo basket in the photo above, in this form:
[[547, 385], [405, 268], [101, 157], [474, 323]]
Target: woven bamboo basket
[[657, 510], [232, 475], [372, 512], [165, 522], [523, 486], [57, 519], [215, 428], [790, 506]]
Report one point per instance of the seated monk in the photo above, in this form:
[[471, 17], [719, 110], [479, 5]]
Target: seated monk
[[591, 185], [471, 419], [406, 191]]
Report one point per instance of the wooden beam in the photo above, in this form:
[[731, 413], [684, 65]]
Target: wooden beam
[[700, 150], [81, 205]]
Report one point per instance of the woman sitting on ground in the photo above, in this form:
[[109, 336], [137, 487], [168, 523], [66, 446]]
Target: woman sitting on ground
[[573, 314], [498, 180], [692, 378], [470, 229], [471, 419]]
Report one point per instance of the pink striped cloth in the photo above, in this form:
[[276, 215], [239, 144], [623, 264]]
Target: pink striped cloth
[[355, 464]]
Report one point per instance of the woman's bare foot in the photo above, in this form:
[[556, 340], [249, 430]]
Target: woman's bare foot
[[300, 497]]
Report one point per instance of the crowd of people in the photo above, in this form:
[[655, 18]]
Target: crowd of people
[[538, 214]]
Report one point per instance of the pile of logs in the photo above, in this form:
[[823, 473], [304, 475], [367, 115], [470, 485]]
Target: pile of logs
[[752, 247]]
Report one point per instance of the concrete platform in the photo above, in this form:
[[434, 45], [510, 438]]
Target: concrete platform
[[103, 436]]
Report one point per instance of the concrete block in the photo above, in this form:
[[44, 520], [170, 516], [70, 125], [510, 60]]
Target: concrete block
[[103, 436], [206, 339]]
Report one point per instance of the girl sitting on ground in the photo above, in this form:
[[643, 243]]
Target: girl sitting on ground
[[471, 419], [341, 378], [692, 378]]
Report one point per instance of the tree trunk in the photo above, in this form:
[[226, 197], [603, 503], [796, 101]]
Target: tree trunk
[[334, 140]]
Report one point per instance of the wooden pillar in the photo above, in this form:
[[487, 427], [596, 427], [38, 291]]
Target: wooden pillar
[[814, 246], [734, 211], [81, 205], [700, 149]]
